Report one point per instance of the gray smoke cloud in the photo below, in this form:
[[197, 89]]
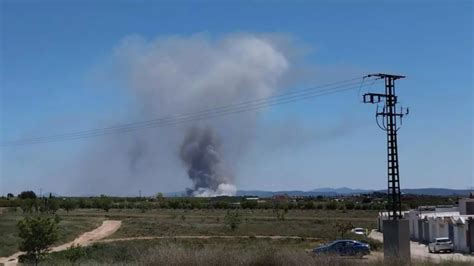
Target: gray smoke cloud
[[200, 154], [184, 74]]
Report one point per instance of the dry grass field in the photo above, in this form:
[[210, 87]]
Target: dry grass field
[[201, 237], [70, 227]]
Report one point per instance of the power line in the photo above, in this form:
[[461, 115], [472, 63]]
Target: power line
[[170, 120], [217, 108], [219, 111]]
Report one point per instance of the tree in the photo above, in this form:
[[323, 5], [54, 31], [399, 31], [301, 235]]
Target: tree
[[27, 195], [249, 204], [37, 234], [159, 196], [232, 219], [343, 227], [68, 205], [350, 205], [10, 195], [48, 205], [105, 203]]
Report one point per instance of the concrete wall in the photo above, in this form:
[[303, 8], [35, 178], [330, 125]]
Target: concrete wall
[[463, 206], [443, 227], [433, 229], [396, 239], [460, 241]]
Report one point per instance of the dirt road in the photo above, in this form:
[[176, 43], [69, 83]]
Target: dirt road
[[420, 252], [106, 229]]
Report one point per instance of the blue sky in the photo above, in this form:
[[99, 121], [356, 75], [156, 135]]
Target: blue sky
[[51, 50]]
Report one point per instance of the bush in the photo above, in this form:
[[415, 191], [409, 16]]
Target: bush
[[232, 219], [37, 234], [331, 206], [280, 214], [350, 205], [74, 253]]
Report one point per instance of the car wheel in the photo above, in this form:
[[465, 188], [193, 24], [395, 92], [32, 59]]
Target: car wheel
[[429, 250]]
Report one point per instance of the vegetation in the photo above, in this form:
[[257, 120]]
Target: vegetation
[[27, 195], [222, 227], [28, 201], [74, 253], [232, 219], [343, 227], [213, 252], [69, 227], [37, 235]]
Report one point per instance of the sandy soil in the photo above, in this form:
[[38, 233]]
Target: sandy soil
[[420, 252], [106, 229]]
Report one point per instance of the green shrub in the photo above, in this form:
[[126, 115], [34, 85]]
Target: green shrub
[[37, 234], [74, 253], [232, 219]]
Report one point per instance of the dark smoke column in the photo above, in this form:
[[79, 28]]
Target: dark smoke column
[[200, 154]]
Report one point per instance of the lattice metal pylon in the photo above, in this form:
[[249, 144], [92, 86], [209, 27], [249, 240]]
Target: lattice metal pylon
[[388, 123]]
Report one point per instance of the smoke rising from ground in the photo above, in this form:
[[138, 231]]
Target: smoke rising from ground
[[201, 155], [175, 75]]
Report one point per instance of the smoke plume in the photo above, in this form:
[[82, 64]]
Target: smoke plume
[[200, 153], [183, 74]]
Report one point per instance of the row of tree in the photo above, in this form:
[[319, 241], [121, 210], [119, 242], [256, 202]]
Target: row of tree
[[29, 202], [51, 205]]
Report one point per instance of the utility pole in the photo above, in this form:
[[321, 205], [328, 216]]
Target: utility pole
[[396, 233]]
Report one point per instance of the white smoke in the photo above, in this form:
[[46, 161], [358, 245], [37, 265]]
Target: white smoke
[[222, 190]]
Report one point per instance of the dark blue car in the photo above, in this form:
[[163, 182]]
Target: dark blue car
[[344, 248]]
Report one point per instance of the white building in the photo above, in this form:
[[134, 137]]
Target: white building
[[457, 223]]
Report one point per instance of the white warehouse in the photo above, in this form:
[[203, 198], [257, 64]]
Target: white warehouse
[[457, 223]]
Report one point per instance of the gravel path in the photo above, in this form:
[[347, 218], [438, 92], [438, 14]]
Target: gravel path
[[106, 229]]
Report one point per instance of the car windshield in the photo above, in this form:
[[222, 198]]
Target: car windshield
[[443, 240]]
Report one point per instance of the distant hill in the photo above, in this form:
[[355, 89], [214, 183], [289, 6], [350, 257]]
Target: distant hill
[[263, 194], [437, 191], [328, 192], [342, 191]]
